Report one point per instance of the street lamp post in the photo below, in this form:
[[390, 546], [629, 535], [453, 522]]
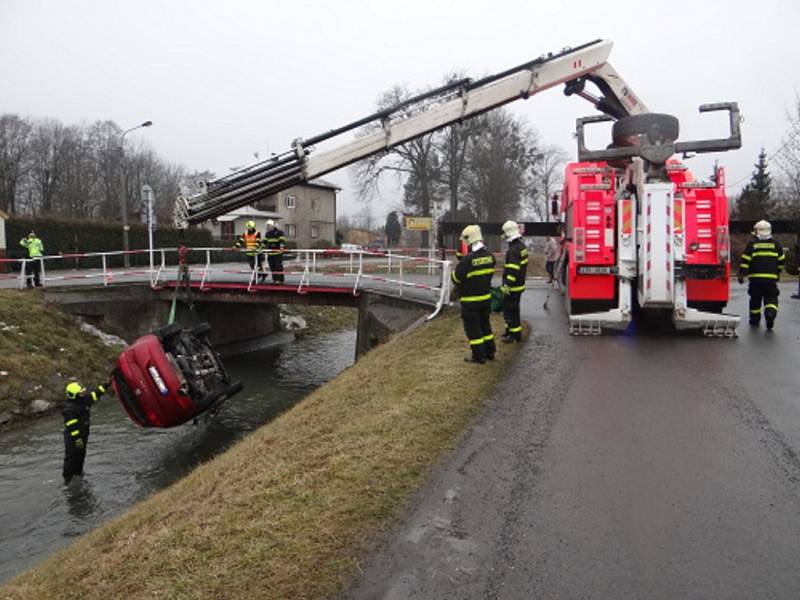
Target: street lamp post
[[125, 226]]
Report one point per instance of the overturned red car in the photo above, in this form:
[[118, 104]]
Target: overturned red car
[[171, 376]]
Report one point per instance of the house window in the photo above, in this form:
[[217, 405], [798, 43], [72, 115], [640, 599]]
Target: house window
[[314, 231], [226, 230], [315, 204], [291, 230], [291, 202]]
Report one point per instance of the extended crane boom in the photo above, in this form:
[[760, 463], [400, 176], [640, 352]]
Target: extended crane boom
[[452, 103]]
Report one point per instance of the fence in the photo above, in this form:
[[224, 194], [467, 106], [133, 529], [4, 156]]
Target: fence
[[402, 274]]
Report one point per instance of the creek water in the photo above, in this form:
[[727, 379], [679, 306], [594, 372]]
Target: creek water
[[125, 463]]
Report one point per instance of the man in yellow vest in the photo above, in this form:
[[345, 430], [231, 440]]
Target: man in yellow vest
[[35, 249], [250, 242]]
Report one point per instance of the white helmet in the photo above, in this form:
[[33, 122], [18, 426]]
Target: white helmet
[[471, 234], [510, 230], [763, 230], [270, 223]]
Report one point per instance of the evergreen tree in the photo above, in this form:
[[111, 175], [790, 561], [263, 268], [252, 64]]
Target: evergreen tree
[[755, 202], [393, 229]]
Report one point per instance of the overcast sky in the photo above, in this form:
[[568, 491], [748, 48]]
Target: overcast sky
[[223, 80]]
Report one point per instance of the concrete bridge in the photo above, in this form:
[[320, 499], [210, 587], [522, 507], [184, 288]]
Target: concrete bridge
[[391, 292]]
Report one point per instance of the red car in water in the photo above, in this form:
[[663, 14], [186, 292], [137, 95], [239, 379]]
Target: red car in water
[[172, 376]]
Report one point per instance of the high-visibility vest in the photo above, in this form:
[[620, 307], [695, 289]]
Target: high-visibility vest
[[34, 246], [251, 242]]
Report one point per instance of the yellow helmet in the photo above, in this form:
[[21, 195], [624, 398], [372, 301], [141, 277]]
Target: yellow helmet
[[73, 389], [471, 234], [251, 225]]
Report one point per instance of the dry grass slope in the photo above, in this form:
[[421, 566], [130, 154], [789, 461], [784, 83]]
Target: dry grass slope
[[40, 347], [288, 512]]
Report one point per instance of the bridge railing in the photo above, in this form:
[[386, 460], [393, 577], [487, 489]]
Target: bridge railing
[[417, 275]]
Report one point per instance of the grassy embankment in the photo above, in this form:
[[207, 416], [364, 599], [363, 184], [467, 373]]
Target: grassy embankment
[[290, 511], [40, 349]]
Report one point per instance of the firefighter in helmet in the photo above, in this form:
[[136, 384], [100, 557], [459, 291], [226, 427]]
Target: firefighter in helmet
[[250, 242], [473, 275], [276, 243], [513, 281], [76, 413], [761, 262]]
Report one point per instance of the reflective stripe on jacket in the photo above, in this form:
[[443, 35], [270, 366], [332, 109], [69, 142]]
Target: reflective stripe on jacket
[[762, 259], [76, 412], [516, 266], [251, 242], [274, 240], [473, 275]]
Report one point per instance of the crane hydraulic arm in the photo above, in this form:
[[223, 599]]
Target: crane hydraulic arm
[[422, 114]]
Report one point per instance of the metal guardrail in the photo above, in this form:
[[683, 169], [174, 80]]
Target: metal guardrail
[[388, 272]]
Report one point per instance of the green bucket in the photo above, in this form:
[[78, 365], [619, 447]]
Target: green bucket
[[497, 299]]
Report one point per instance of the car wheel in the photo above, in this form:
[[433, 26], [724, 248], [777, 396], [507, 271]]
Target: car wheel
[[201, 329], [168, 332]]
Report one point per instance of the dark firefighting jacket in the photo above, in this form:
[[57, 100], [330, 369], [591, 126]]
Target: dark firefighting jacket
[[516, 266], [274, 241], [77, 413], [762, 260], [473, 275]]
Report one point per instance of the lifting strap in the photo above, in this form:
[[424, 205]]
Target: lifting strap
[[183, 282]]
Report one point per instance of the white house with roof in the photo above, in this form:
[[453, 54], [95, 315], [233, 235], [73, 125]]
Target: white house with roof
[[231, 225], [306, 213]]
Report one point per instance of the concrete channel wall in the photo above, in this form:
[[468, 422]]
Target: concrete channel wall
[[130, 311]]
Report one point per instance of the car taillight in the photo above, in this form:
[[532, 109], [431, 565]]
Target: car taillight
[[723, 244], [579, 237]]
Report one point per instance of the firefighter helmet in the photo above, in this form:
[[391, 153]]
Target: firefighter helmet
[[471, 234], [763, 230], [251, 224], [510, 230], [270, 223], [73, 389]]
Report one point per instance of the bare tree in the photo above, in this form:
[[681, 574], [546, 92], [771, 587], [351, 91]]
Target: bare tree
[[79, 175], [545, 178], [14, 151], [416, 162], [499, 160], [788, 160], [104, 139], [46, 169]]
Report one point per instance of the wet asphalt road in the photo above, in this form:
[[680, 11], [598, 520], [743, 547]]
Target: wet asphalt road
[[643, 465]]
